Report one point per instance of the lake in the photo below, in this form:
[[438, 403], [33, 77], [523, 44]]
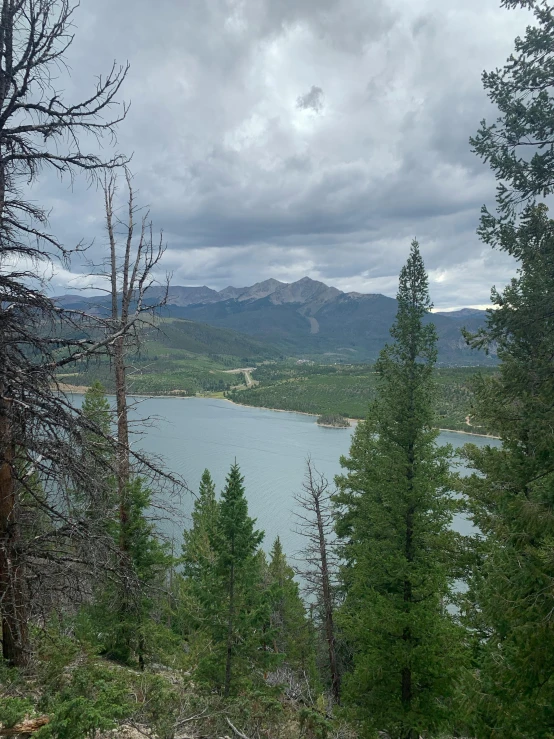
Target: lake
[[271, 447]]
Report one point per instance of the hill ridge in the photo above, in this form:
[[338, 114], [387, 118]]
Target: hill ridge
[[307, 317]]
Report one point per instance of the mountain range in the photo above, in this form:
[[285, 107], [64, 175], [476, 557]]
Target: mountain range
[[306, 318]]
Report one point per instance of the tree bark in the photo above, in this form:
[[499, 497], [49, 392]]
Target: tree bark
[[123, 465], [328, 606], [12, 586]]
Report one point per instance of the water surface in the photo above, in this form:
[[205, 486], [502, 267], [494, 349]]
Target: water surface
[[271, 448]]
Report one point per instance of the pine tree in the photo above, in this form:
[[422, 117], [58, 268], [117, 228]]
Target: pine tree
[[132, 633], [511, 599], [519, 145], [198, 558], [237, 605], [96, 408], [292, 635], [394, 512], [126, 609], [198, 540], [236, 548], [510, 602]]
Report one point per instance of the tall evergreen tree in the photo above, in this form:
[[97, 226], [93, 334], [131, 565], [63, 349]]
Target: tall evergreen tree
[[510, 603], [199, 539], [198, 558], [394, 512], [133, 633], [236, 548], [511, 599], [96, 408], [237, 605], [292, 635], [519, 145]]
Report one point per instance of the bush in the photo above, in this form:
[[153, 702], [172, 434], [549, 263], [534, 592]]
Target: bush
[[75, 718], [14, 710], [92, 698], [160, 705]]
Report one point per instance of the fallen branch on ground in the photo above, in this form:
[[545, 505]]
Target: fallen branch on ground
[[237, 732], [29, 726]]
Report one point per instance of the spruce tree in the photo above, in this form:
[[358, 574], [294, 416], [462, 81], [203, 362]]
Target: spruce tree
[[134, 633], [198, 554], [511, 498], [237, 605], [510, 602], [519, 145], [292, 634], [199, 577], [394, 510], [96, 408]]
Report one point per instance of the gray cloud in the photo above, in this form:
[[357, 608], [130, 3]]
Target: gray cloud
[[312, 100], [248, 183]]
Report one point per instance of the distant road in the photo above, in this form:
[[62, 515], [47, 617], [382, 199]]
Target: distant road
[[245, 371]]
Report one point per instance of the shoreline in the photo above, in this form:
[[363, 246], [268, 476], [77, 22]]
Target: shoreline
[[352, 421], [81, 389], [331, 426]]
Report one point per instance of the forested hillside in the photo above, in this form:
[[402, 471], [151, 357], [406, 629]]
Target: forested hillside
[[348, 391], [178, 357], [307, 319]]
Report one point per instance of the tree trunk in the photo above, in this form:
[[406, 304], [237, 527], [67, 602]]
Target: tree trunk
[[123, 468], [229, 657], [123, 478], [328, 607], [406, 680], [12, 597], [12, 587]]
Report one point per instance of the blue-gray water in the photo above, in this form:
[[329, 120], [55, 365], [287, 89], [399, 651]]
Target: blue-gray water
[[271, 448]]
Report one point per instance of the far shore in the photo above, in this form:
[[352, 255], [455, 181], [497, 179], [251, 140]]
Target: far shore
[[352, 421], [334, 425], [82, 389]]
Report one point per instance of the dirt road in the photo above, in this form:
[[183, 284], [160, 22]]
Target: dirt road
[[245, 371]]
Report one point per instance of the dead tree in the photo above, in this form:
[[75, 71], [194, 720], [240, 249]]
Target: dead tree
[[37, 130], [133, 258], [318, 568]]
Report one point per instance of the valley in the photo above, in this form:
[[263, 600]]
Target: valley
[[262, 346], [303, 347]]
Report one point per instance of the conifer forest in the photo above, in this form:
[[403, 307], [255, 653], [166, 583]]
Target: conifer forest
[[389, 623]]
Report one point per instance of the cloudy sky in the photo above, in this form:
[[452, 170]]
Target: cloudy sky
[[285, 138]]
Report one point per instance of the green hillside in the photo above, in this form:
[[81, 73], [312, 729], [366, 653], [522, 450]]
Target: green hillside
[[347, 328], [348, 390], [180, 357], [179, 334], [183, 358]]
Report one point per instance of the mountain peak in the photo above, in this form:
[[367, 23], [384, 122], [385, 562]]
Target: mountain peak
[[304, 291], [254, 292]]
